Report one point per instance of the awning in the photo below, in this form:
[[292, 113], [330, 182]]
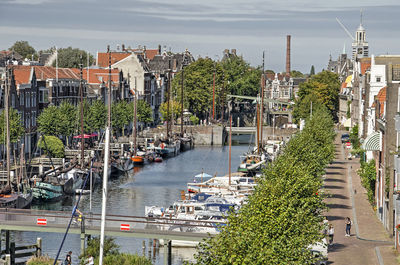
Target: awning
[[347, 123], [373, 142]]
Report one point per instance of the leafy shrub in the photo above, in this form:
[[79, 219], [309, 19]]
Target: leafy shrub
[[42, 260], [367, 172], [52, 146]]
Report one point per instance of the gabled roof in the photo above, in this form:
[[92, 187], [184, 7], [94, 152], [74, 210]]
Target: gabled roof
[[22, 76], [365, 65], [381, 99], [103, 58], [98, 76], [49, 72]]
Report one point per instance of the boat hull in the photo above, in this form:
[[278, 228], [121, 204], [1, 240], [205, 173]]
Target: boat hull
[[137, 160], [43, 191]]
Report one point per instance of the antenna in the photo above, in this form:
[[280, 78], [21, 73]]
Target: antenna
[[345, 29]]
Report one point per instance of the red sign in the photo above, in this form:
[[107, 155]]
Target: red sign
[[125, 227], [41, 221]]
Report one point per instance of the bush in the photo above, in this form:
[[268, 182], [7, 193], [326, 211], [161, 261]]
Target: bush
[[194, 120], [112, 256], [52, 146], [367, 173], [42, 260]]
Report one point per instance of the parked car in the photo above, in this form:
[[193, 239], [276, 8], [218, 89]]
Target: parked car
[[345, 138]]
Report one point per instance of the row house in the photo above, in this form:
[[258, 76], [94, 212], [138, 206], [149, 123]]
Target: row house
[[147, 70], [282, 87]]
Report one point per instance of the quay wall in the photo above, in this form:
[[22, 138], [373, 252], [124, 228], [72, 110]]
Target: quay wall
[[217, 134]]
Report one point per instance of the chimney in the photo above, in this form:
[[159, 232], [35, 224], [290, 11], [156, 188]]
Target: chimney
[[123, 47], [159, 49], [288, 55]]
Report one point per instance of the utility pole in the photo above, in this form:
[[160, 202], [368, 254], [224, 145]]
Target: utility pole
[[7, 89], [81, 107]]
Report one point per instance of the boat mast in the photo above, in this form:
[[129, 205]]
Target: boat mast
[[213, 103], [230, 147], [258, 124], [183, 65], [6, 114], [262, 101], [106, 158], [81, 107], [168, 95], [135, 120]]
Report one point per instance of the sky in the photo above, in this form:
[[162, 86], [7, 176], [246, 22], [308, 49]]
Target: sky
[[206, 27]]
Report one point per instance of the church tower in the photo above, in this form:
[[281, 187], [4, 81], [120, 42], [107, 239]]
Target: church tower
[[360, 46]]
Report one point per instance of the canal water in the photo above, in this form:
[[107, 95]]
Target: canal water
[[153, 184]]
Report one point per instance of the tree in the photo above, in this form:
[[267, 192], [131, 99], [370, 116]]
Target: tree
[[325, 86], [312, 71], [23, 48], [174, 110], [71, 57], [295, 73], [49, 121], [305, 106], [119, 116], [143, 111], [15, 124], [98, 115], [68, 119], [283, 216], [52, 146]]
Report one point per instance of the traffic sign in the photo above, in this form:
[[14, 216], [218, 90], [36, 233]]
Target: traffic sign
[[125, 227], [41, 221]]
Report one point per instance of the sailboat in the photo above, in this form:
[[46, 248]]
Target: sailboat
[[8, 197], [137, 158]]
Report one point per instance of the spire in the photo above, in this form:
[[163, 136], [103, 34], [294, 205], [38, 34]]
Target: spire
[[344, 48]]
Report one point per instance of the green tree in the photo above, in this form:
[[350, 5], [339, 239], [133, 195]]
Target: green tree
[[174, 110], [52, 146], [68, 119], [143, 111], [312, 70], [355, 141], [284, 215], [15, 124], [325, 86], [23, 48], [49, 121], [295, 73], [98, 115], [120, 116], [71, 57]]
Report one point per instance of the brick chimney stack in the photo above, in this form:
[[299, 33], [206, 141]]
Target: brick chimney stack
[[288, 55]]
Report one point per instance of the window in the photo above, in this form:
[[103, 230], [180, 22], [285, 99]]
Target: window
[[22, 98], [28, 100], [378, 79], [33, 118], [33, 99]]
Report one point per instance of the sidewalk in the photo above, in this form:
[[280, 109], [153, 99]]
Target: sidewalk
[[369, 243]]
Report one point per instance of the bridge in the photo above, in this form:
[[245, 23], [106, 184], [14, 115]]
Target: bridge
[[116, 225]]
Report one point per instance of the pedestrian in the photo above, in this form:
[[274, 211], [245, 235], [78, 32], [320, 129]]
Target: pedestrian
[[325, 226], [348, 226], [68, 259], [331, 231], [90, 260]]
